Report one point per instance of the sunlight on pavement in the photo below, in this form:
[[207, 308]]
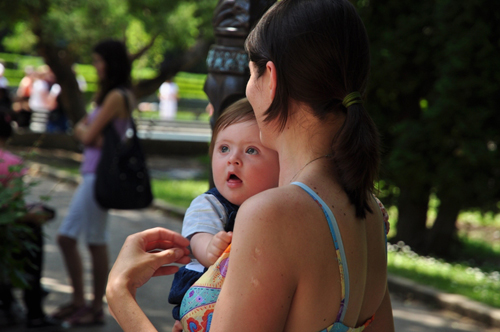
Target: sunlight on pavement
[[420, 318]]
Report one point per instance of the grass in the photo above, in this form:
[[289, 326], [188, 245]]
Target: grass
[[178, 192], [70, 170], [456, 278], [476, 276]]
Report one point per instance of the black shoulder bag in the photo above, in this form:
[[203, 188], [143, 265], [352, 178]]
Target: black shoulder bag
[[122, 177]]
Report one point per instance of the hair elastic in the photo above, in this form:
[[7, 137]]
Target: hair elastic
[[351, 99]]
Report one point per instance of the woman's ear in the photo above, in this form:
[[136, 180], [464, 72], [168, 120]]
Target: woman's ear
[[272, 79]]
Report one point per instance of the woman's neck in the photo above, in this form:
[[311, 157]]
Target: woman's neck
[[305, 143]]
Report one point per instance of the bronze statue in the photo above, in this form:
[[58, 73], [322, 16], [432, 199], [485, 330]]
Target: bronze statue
[[227, 60]]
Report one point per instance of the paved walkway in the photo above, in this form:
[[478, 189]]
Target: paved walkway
[[409, 316]]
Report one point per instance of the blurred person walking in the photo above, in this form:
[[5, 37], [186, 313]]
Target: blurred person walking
[[38, 100], [23, 110], [85, 217], [169, 96], [4, 83], [57, 120]]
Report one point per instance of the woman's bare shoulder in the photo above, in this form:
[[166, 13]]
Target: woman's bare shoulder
[[116, 104], [271, 210], [272, 200]]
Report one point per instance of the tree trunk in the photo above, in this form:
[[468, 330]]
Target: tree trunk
[[443, 234], [60, 62], [412, 216], [172, 65], [71, 97]]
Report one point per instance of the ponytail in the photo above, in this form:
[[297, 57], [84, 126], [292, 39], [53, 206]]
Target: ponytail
[[356, 157], [322, 57]]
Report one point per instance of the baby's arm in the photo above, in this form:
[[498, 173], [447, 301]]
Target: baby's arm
[[207, 248]]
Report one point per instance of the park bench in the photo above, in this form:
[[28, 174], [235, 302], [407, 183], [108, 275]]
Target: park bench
[[173, 130], [195, 106], [39, 121]]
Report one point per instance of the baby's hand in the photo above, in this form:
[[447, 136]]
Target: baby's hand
[[217, 245], [177, 326]]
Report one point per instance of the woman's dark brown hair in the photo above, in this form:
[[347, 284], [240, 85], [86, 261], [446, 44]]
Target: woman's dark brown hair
[[117, 70], [321, 54]]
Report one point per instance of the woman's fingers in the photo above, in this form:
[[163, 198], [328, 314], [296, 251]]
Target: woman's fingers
[[166, 270], [174, 255], [163, 245], [163, 236]]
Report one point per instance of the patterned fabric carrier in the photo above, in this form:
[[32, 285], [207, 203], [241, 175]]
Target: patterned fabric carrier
[[198, 304]]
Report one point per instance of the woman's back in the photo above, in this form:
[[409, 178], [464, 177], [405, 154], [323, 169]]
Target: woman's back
[[302, 243], [321, 279]]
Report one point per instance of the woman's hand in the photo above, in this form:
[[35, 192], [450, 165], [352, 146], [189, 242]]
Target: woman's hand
[[81, 128], [143, 255], [146, 254]]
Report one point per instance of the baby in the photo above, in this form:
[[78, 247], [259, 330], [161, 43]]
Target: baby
[[241, 167]]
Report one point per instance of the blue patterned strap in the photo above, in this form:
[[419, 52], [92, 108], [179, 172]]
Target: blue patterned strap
[[337, 239]]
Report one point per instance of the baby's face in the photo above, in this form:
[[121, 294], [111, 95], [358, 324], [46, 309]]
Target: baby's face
[[241, 165]]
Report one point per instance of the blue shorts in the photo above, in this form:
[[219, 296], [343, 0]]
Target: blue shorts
[[183, 280]]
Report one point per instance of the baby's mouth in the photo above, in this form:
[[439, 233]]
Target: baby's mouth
[[233, 178]]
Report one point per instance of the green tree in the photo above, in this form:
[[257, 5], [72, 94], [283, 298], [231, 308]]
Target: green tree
[[171, 35], [463, 117], [401, 76], [434, 83]]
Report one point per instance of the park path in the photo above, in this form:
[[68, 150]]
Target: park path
[[409, 316]]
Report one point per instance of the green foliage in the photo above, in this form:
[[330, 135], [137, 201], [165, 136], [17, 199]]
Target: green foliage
[[434, 96], [176, 26], [467, 102], [22, 39], [12, 232], [77, 25]]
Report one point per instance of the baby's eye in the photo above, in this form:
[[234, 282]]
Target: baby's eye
[[252, 151], [224, 149]]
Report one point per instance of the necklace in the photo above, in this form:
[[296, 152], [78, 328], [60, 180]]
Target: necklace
[[300, 170]]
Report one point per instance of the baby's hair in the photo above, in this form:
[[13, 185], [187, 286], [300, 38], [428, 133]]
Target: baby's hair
[[239, 111]]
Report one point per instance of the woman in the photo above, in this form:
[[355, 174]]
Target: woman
[[309, 255], [85, 216]]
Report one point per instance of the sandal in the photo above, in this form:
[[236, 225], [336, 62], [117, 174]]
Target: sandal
[[86, 316], [65, 311]]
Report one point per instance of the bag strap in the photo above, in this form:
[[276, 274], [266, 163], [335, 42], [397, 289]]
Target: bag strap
[[125, 96], [127, 105]]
